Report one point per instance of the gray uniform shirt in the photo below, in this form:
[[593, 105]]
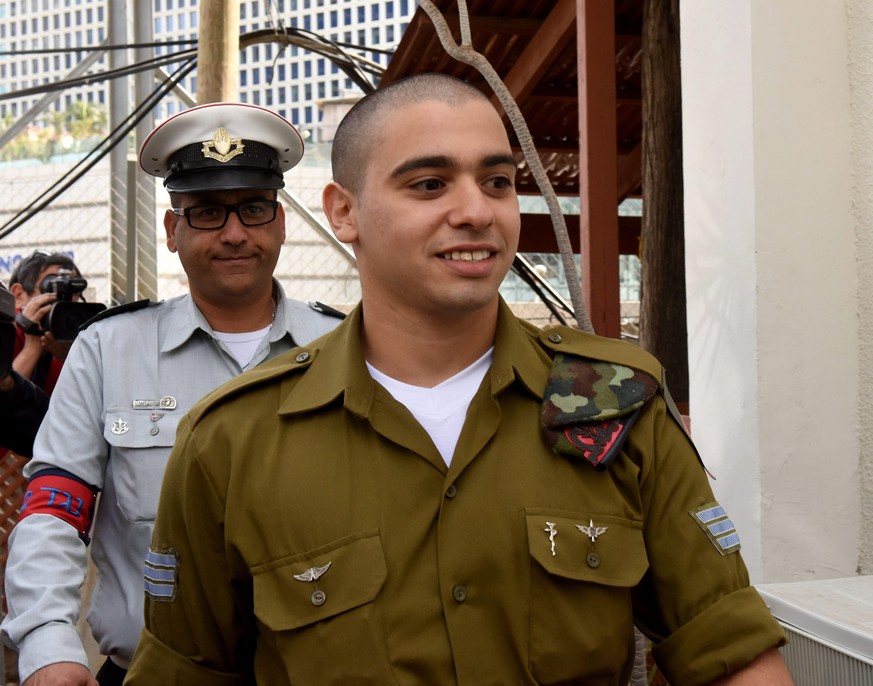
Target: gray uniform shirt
[[104, 427]]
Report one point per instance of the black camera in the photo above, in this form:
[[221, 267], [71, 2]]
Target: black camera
[[7, 331], [65, 317]]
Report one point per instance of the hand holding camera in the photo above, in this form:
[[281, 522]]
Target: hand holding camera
[[57, 311]]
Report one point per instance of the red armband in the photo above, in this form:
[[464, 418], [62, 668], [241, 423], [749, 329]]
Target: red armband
[[64, 497]]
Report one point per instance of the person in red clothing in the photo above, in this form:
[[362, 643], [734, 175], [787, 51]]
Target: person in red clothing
[[38, 356]]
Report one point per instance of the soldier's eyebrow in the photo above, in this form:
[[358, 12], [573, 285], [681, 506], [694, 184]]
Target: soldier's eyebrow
[[445, 162], [429, 162]]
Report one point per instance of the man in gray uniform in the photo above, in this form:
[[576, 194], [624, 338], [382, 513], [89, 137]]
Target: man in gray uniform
[[130, 377]]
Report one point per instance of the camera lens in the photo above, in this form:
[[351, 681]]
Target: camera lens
[[65, 318]]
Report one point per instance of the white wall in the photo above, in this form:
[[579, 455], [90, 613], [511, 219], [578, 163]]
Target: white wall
[[770, 252], [860, 14]]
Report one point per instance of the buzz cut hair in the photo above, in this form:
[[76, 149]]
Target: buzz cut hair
[[358, 131]]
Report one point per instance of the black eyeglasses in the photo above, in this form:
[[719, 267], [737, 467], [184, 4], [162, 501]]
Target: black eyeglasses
[[214, 217]]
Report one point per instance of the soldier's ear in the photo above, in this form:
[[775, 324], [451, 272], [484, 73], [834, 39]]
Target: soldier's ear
[[339, 205], [170, 221]]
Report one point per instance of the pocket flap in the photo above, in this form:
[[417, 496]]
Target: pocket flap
[[126, 428], [295, 591], [616, 556]]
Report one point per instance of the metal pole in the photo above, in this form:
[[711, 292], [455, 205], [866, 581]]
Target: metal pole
[[122, 281], [218, 51], [144, 205]]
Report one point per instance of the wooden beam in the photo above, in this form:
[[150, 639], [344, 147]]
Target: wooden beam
[[553, 35], [598, 168], [537, 234]]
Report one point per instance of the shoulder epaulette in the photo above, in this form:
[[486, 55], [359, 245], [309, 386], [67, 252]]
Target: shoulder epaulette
[[326, 309], [118, 309], [292, 362]]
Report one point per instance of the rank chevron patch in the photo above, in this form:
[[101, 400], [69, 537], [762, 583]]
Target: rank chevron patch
[[718, 527]]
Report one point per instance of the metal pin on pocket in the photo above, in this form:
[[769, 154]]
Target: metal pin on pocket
[[552, 532], [313, 574], [592, 559]]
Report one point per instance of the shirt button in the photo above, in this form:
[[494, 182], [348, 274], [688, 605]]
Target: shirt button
[[593, 560], [555, 337], [459, 593], [451, 491], [302, 357], [318, 598]]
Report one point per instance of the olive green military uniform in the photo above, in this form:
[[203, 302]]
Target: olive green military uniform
[[309, 533]]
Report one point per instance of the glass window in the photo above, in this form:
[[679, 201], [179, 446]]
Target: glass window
[[374, 11]]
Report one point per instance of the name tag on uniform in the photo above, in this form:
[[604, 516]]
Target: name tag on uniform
[[168, 402]]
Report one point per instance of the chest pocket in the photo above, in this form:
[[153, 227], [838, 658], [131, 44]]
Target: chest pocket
[[139, 451], [320, 611], [581, 595]]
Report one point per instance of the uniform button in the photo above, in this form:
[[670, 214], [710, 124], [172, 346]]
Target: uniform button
[[154, 431], [555, 337], [318, 598], [593, 560], [302, 357], [459, 593], [451, 491]]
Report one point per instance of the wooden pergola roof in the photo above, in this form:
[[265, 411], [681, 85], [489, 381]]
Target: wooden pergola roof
[[576, 76]]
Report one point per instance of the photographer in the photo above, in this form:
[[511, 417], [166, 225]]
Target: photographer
[[22, 405], [38, 355]]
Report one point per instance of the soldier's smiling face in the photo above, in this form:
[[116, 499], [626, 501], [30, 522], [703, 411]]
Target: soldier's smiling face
[[435, 221]]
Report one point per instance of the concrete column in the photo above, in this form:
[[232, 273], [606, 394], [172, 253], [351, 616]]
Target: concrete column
[[772, 279]]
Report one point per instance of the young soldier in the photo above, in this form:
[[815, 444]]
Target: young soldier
[[445, 494], [130, 377]]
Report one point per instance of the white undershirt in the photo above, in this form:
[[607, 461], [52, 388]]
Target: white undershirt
[[440, 410], [243, 345]]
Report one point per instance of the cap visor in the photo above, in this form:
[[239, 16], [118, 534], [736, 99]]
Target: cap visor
[[213, 179]]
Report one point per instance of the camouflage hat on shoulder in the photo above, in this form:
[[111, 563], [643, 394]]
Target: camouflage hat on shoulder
[[222, 146]]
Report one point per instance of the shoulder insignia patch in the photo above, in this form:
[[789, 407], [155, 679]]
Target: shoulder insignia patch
[[326, 309], [118, 309], [590, 406], [718, 527], [161, 572]]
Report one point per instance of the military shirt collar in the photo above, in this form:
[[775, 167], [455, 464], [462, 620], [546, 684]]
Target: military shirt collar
[[338, 367], [188, 318]]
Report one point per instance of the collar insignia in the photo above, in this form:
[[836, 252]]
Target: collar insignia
[[222, 147]]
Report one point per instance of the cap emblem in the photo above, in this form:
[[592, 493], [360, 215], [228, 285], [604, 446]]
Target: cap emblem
[[222, 147]]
